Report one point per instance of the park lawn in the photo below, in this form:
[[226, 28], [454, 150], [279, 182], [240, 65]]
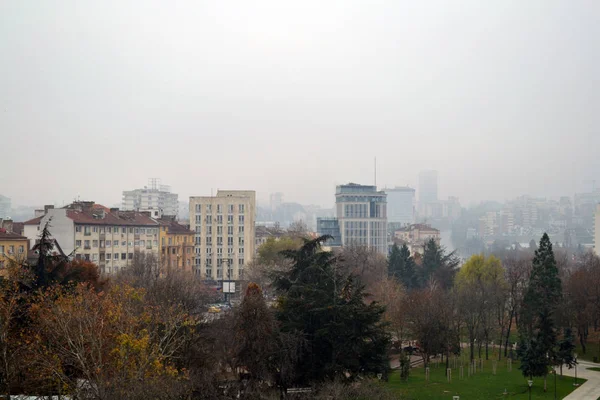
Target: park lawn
[[594, 369], [591, 353], [482, 385]]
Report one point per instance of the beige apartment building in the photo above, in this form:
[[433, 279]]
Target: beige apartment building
[[107, 237], [224, 233]]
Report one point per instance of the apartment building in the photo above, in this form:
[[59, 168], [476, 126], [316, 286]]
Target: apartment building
[[155, 198], [416, 236], [176, 245], [12, 247], [106, 237], [224, 227]]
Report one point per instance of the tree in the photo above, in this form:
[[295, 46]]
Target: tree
[[255, 331], [537, 325], [566, 350], [402, 266], [437, 265], [478, 283], [392, 295], [366, 264], [343, 333]]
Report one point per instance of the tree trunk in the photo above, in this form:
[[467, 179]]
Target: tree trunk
[[545, 387], [508, 333], [582, 342], [487, 357], [561, 369], [472, 348]]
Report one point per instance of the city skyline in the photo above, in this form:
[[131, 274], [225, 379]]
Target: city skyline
[[500, 98]]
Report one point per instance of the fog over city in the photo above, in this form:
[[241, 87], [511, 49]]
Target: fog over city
[[501, 98]]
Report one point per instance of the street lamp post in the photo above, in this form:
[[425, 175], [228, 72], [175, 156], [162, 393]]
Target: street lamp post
[[575, 383]]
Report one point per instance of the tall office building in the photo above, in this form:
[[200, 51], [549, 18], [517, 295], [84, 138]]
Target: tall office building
[[361, 217], [224, 233], [597, 230], [400, 206], [155, 198], [5, 207], [428, 187]]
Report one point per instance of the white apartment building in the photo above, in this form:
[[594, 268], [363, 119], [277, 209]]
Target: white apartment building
[[225, 233], [156, 199], [400, 205], [107, 237]]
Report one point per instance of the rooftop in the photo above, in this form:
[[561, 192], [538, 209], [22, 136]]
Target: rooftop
[[4, 235]]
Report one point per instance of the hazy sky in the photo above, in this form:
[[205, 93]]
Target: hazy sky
[[502, 97]]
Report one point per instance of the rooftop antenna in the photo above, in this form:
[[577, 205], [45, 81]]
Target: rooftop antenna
[[375, 171]]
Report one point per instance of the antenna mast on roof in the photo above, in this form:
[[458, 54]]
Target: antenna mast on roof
[[375, 171]]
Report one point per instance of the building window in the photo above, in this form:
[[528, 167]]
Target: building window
[[115, 243], [240, 241], [198, 218], [101, 229], [94, 243], [219, 209], [86, 244], [21, 249], [241, 219], [123, 256], [208, 208], [137, 231], [95, 229], [230, 230], [208, 220], [209, 250], [209, 230], [86, 257], [219, 230], [219, 251], [219, 241], [230, 208], [124, 243], [142, 243], [198, 208], [108, 229], [130, 256], [123, 230], [78, 243], [241, 229], [108, 243], [241, 250], [102, 244], [230, 219], [241, 262], [219, 219], [230, 241], [78, 228], [95, 257], [87, 231], [241, 208], [209, 241]]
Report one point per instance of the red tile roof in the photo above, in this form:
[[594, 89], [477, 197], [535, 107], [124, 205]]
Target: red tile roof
[[174, 227], [97, 214], [34, 221], [4, 235]]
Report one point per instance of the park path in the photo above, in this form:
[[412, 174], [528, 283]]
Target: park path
[[590, 390]]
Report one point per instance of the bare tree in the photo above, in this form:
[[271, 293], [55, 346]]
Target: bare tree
[[365, 263]]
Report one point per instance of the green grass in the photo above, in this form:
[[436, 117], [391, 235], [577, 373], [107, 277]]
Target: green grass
[[594, 369], [592, 351], [482, 385]]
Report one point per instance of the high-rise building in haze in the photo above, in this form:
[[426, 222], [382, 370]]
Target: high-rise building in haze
[[225, 231], [155, 198], [597, 230], [275, 201], [400, 206], [5, 207], [361, 217], [428, 187]]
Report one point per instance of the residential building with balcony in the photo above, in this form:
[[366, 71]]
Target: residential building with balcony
[[416, 236], [107, 237], [224, 227]]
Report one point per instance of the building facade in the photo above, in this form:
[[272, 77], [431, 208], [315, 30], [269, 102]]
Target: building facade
[[224, 227], [107, 237], [5, 207], [400, 206], [176, 245], [156, 199], [361, 218], [416, 236], [12, 247], [428, 187]]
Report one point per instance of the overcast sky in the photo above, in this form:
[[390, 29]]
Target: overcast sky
[[502, 97]]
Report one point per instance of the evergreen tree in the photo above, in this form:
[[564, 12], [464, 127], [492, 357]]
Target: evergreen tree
[[395, 265], [402, 266], [566, 349], [342, 332], [537, 323], [437, 265]]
